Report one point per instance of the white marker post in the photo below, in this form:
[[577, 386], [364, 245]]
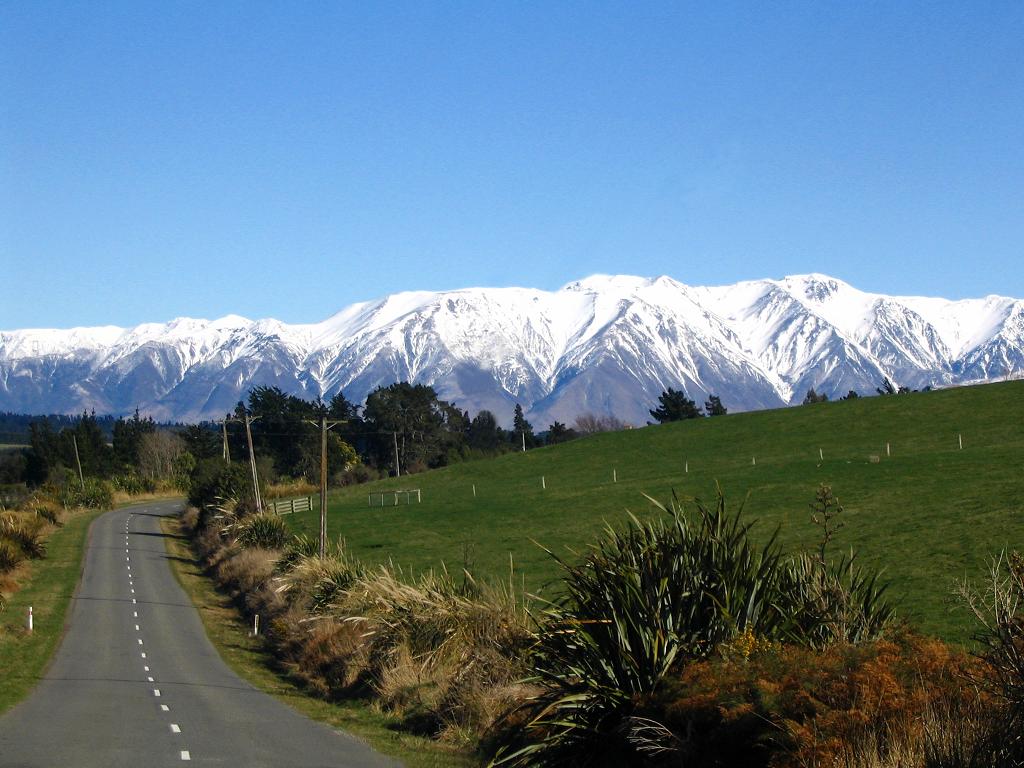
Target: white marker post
[[821, 455], [543, 484], [474, 490], [960, 441], [753, 461], [615, 476], [256, 625], [686, 468], [30, 618], [887, 453]]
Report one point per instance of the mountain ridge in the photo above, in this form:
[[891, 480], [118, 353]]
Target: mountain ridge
[[607, 344]]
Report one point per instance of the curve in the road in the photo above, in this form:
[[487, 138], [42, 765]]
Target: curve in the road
[[136, 682]]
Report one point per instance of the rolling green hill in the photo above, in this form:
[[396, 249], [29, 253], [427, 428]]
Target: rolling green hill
[[927, 511]]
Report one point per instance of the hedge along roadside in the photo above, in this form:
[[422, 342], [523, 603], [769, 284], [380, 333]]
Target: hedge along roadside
[[250, 658]]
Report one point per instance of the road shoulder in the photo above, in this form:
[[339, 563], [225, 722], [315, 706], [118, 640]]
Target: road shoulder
[[232, 638]]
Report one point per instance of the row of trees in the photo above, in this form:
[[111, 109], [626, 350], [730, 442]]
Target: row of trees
[[887, 388], [402, 428], [674, 405], [137, 455]]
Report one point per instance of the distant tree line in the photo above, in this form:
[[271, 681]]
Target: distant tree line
[[402, 428]]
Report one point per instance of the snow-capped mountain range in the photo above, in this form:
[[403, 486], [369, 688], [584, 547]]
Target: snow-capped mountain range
[[605, 345]]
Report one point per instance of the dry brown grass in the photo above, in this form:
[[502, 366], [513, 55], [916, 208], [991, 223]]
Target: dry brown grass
[[290, 488], [955, 733], [247, 570]]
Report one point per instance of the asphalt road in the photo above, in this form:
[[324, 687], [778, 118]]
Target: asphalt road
[[136, 682]]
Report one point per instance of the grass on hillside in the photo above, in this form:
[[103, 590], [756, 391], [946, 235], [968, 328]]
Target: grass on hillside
[[47, 585], [246, 655], [926, 511]]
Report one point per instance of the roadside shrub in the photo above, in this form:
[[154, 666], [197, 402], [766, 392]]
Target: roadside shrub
[[360, 473], [189, 519], [315, 583], [888, 703], [212, 481], [11, 555], [96, 494], [246, 571], [299, 547], [131, 484], [49, 512], [26, 534], [651, 599], [265, 530]]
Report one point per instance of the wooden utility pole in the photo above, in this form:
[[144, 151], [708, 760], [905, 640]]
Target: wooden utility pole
[[398, 467], [78, 461], [227, 450], [323, 485], [324, 427], [252, 463]]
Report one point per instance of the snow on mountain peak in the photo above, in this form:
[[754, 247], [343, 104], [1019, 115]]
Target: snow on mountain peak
[[606, 343]]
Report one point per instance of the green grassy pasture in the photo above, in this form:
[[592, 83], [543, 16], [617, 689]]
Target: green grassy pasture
[[929, 513]]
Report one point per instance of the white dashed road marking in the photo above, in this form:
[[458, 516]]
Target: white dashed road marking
[[156, 691], [185, 755], [164, 708], [175, 728]]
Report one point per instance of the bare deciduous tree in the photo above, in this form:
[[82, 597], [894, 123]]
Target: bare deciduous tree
[[157, 452]]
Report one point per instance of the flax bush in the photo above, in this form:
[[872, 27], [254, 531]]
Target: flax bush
[[265, 530], [654, 596]]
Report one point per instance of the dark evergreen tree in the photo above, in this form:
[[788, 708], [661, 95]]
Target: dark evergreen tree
[[713, 406], [522, 429], [559, 433], [484, 434], [813, 397], [203, 441], [412, 416], [127, 435], [340, 407], [851, 395], [675, 406]]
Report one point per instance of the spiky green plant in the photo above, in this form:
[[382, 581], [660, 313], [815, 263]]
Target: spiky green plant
[[646, 599], [643, 599], [833, 602], [25, 534], [10, 555], [264, 530]]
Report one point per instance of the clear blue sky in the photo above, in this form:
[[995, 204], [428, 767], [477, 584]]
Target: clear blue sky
[[286, 159]]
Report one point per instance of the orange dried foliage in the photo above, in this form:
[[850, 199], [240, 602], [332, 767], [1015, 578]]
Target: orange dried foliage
[[786, 707]]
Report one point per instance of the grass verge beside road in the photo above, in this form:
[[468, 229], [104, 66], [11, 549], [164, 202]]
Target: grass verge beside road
[[246, 655], [47, 585]]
